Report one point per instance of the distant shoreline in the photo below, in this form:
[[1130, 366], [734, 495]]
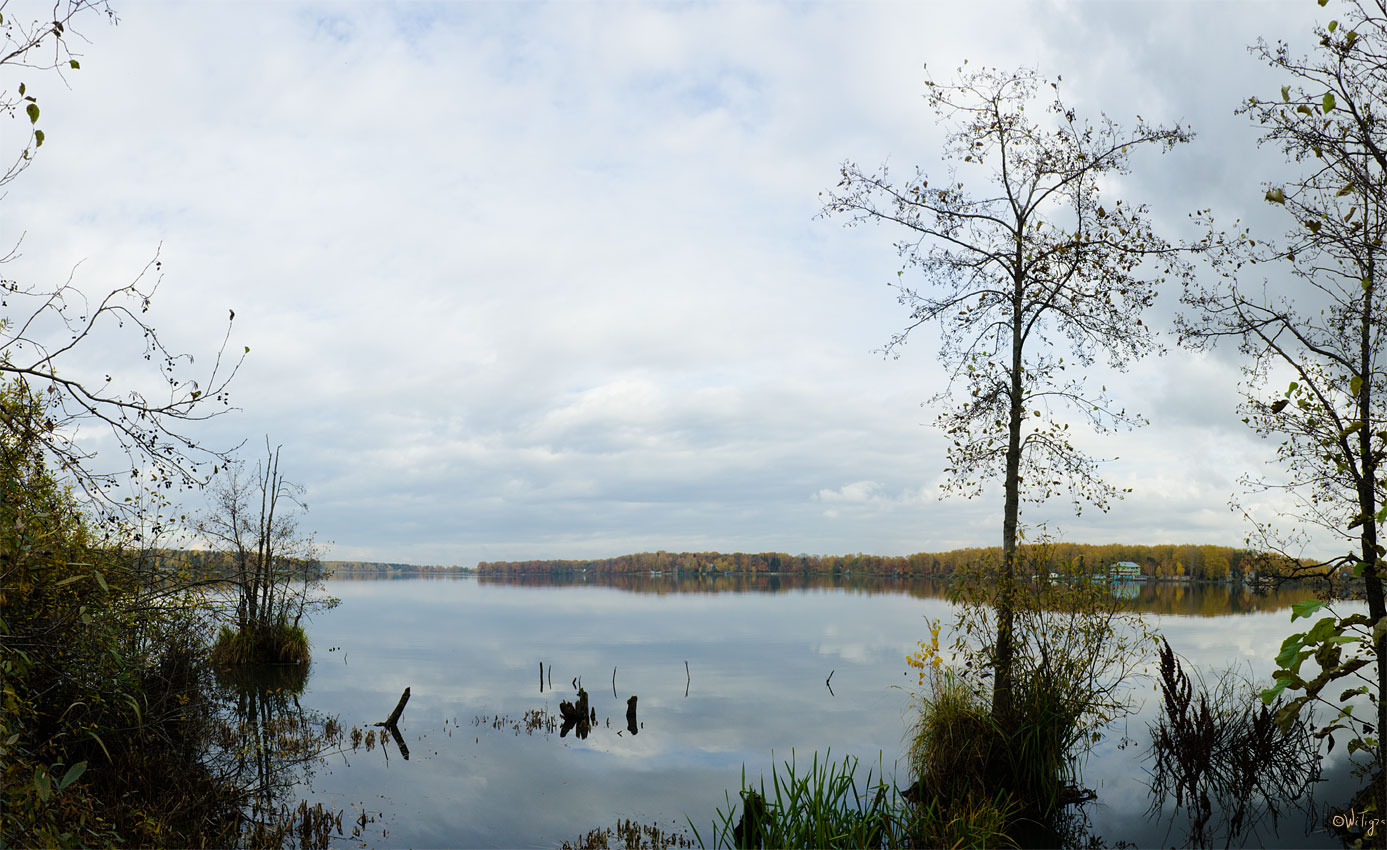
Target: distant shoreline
[[1177, 563]]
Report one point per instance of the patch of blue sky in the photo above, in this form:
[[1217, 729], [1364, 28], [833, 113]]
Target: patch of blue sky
[[735, 92], [333, 27]]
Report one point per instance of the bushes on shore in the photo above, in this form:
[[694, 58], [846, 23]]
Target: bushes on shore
[[102, 678]]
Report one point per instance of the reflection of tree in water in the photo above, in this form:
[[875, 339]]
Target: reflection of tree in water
[[266, 743], [1218, 751], [1187, 598]]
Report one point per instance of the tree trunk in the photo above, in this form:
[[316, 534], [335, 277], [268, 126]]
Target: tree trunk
[[1002, 683], [1367, 507]]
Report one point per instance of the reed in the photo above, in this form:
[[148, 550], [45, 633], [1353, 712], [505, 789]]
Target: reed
[[279, 643], [978, 784], [822, 806]]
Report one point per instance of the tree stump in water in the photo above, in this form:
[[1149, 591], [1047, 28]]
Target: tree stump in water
[[749, 832], [576, 715]]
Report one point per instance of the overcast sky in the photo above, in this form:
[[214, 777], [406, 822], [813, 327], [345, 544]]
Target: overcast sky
[[528, 280]]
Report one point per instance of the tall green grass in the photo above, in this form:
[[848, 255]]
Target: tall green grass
[[978, 783], [820, 807], [959, 760], [281, 643], [824, 807]]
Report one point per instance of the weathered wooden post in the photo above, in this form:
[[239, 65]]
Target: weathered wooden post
[[394, 718]]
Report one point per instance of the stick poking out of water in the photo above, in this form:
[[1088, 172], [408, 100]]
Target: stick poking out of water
[[394, 718]]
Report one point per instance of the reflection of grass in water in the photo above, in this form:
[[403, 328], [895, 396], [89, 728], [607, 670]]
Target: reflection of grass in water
[[1217, 750], [535, 721], [263, 678], [630, 835]]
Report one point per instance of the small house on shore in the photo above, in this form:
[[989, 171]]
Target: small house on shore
[[1125, 571]]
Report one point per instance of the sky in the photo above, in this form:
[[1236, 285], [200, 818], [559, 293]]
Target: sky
[[550, 280]]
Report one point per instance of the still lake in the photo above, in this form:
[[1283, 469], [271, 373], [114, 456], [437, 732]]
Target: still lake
[[731, 674]]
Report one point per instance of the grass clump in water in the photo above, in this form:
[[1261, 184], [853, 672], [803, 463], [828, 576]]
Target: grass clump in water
[[278, 643], [822, 807], [957, 756]]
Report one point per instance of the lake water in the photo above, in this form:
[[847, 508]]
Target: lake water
[[756, 690]]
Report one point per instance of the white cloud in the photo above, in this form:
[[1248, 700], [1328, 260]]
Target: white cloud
[[527, 280]]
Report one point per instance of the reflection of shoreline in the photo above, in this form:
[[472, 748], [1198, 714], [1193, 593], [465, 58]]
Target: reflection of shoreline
[[1152, 596]]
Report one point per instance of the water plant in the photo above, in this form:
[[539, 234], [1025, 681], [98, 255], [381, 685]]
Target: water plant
[[820, 807], [1223, 757], [281, 642]]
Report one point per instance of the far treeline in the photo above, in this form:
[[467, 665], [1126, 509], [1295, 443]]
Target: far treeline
[[1165, 561], [351, 568]]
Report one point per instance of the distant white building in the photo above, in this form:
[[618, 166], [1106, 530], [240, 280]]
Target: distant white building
[[1125, 571]]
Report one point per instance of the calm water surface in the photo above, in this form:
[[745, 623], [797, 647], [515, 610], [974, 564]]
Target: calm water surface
[[755, 691]]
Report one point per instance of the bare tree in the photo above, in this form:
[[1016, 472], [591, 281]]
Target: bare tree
[[253, 523], [1037, 267], [1327, 332]]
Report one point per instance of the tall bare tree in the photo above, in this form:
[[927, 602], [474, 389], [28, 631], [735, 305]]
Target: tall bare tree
[[1025, 262], [253, 522], [1326, 333]]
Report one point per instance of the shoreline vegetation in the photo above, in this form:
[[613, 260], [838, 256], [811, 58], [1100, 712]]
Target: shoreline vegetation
[[1156, 562]]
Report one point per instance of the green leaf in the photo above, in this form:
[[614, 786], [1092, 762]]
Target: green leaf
[[1304, 110], [101, 580], [74, 64], [1322, 2], [1321, 630], [1355, 384], [1276, 196], [38, 138], [1286, 93], [1270, 694], [69, 580], [33, 110], [1333, 25], [1327, 104], [1290, 647], [1304, 608], [97, 739], [73, 774], [1346, 189]]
